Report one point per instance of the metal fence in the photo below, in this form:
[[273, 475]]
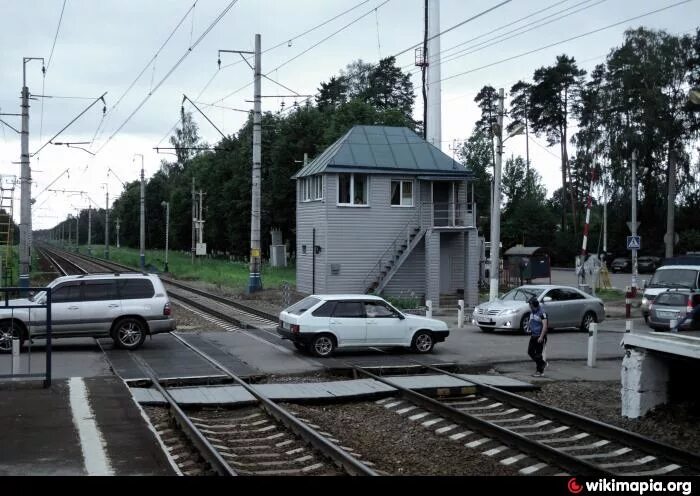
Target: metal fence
[[17, 318]]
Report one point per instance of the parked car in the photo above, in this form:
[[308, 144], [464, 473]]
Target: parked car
[[566, 307], [648, 264], [125, 307], [323, 323], [621, 265], [673, 304], [669, 277]]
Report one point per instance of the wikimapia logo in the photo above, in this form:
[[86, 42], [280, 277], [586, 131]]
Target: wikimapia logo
[[636, 487]]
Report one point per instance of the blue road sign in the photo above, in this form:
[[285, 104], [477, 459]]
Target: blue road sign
[[634, 242]]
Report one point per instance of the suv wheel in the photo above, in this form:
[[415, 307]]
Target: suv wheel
[[323, 345], [129, 333], [8, 331], [423, 342]]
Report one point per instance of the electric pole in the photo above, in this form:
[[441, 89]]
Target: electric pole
[[633, 227], [669, 239], [194, 219], [89, 247], [255, 281], [107, 221], [494, 271], [25, 226], [142, 236], [117, 232]]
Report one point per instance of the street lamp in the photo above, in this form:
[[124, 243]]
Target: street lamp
[[167, 229], [142, 241], [494, 271]]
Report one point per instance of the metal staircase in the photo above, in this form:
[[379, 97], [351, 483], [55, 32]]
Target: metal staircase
[[7, 190], [393, 258]]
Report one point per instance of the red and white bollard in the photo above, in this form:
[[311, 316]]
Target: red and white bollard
[[628, 309]]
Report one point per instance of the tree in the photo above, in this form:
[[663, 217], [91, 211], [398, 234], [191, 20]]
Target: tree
[[555, 94], [519, 111], [186, 137], [487, 100], [332, 94], [389, 88]]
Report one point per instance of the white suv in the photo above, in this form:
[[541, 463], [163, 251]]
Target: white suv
[[123, 306], [322, 323]]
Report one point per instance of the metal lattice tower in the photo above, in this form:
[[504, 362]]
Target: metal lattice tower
[[7, 191]]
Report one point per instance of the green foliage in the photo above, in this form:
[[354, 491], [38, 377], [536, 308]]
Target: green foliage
[[403, 302]]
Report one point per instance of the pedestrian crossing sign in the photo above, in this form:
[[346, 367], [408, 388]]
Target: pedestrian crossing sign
[[634, 242]]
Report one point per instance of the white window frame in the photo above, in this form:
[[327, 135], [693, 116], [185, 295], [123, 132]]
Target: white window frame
[[352, 190], [401, 183], [312, 188]]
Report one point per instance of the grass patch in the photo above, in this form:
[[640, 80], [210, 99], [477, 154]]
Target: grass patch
[[610, 294], [223, 273]]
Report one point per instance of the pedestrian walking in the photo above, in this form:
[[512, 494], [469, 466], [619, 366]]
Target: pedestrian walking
[[537, 327]]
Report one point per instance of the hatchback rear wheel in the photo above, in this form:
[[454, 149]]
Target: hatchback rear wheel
[[323, 345], [129, 333]]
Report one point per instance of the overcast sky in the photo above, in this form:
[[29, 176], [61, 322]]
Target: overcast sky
[[102, 46]]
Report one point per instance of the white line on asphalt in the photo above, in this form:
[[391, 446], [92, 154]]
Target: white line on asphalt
[[91, 440]]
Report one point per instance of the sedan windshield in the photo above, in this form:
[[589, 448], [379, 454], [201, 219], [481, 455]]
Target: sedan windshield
[[678, 278], [521, 294]]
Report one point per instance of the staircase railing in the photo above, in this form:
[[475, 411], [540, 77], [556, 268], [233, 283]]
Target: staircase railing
[[391, 255]]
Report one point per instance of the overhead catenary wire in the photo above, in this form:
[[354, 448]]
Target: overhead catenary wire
[[169, 73], [216, 73], [588, 33], [514, 33], [149, 63]]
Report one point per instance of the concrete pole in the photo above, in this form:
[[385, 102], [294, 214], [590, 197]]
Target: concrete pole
[[89, 246], [26, 190], [70, 234], [194, 219], [496, 205], [77, 232], [254, 280], [117, 232], [167, 232], [605, 224], [107, 224], [634, 221], [434, 124], [670, 205], [142, 236]]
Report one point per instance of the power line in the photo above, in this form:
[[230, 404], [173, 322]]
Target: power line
[[216, 73], [148, 64], [169, 73], [56, 35], [566, 40], [487, 43]]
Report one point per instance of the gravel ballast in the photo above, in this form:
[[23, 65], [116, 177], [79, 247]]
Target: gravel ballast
[[396, 445], [675, 424]]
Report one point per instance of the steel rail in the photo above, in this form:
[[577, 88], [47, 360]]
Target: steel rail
[[200, 442], [509, 438], [651, 446], [352, 465]]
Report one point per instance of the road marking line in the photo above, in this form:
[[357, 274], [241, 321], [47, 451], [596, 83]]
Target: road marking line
[[92, 443]]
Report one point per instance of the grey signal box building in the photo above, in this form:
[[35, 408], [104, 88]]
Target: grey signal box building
[[382, 211]]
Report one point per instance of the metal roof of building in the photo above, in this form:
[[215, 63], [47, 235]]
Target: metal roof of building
[[523, 250], [384, 150]]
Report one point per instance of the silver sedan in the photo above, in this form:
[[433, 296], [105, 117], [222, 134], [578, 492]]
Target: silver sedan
[[566, 307]]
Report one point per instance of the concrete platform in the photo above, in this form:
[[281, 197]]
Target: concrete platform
[[236, 395], [76, 427]]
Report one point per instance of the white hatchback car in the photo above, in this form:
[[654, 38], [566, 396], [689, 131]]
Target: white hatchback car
[[322, 323]]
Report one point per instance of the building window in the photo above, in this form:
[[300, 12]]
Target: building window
[[312, 188], [402, 193], [353, 189]]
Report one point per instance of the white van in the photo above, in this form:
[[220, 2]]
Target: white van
[[669, 277]]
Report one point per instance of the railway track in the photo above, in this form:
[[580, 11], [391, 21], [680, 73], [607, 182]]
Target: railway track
[[259, 439], [536, 438], [516, 431]]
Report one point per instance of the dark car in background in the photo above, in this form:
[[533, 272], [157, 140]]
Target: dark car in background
[[621, 265], [648, 264]]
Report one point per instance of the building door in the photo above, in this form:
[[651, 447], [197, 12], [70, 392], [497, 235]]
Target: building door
[[445, 269], [441, 203]]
